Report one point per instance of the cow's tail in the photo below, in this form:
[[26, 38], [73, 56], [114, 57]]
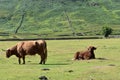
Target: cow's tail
[[45, 51]]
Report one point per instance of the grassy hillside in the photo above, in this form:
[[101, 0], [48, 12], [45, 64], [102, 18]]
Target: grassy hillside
[[49, 17]]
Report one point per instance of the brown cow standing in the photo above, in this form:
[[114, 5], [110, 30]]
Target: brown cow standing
[[85, 55], [29, 48]]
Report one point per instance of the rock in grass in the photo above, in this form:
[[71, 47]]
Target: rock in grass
[[45, 69], [43, 78], [70, 71]]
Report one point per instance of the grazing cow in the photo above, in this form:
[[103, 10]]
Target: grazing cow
[[29, 48], [85, 55]]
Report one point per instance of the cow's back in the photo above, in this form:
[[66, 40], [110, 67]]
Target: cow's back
[[28, 47]]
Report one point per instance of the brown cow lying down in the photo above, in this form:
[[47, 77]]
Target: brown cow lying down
[[24, 48], [85, 55]]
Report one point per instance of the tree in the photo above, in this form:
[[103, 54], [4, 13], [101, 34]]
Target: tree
[[106, 31]]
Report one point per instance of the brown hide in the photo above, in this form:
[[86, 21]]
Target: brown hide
[[29, 48], [85, 55]]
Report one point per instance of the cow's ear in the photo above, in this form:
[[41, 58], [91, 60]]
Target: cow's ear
[[89, 48], [36, 43]]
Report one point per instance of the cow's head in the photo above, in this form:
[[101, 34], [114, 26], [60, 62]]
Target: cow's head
[[91, 48], [8, 53]]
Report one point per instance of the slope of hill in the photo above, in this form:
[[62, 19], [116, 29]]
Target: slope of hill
[[63, 17]]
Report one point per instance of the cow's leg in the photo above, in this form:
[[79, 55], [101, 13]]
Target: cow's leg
[[19, 60], [40, 62], [42, 59], [23, 59], [86, 57]]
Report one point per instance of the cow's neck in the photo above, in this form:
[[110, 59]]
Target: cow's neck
[[92, 51]]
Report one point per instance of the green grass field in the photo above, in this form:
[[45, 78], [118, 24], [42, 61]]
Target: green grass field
[[60, 54]]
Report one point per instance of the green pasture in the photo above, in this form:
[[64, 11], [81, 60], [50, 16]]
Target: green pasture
[[106, 66]]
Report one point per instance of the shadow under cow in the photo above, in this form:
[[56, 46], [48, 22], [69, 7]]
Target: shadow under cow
[[101, 58], [58, 64]]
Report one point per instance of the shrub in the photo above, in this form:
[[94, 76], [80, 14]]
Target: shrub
[[106, 31]]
